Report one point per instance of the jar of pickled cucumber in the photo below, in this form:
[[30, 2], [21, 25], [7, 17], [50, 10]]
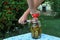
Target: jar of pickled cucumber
[[35, 29]]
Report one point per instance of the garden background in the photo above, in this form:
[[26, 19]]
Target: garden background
[[12, 10]]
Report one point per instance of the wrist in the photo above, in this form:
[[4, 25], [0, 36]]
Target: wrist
[[26, 12]]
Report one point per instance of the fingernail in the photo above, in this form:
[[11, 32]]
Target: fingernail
[[25, 21]]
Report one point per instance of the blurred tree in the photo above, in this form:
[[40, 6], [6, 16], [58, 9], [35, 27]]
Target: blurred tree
[[55, 7], [10, 12]]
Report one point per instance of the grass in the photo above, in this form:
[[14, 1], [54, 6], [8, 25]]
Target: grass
[[51, 26]]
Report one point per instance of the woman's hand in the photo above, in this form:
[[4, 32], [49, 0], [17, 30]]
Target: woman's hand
[[22, 19]]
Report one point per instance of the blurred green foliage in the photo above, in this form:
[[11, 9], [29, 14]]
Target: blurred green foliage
[[10, 12], [56, 7]]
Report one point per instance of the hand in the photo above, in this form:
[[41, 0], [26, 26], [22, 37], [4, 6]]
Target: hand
[[22, 19]]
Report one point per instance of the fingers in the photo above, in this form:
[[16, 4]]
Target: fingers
[[22, 20]]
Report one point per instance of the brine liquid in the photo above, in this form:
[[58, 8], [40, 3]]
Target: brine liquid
[[36, 32]]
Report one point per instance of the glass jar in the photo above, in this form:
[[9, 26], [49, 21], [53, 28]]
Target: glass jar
[[35, 29]]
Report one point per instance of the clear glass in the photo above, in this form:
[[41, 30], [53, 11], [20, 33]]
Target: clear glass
[[36, 29]]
